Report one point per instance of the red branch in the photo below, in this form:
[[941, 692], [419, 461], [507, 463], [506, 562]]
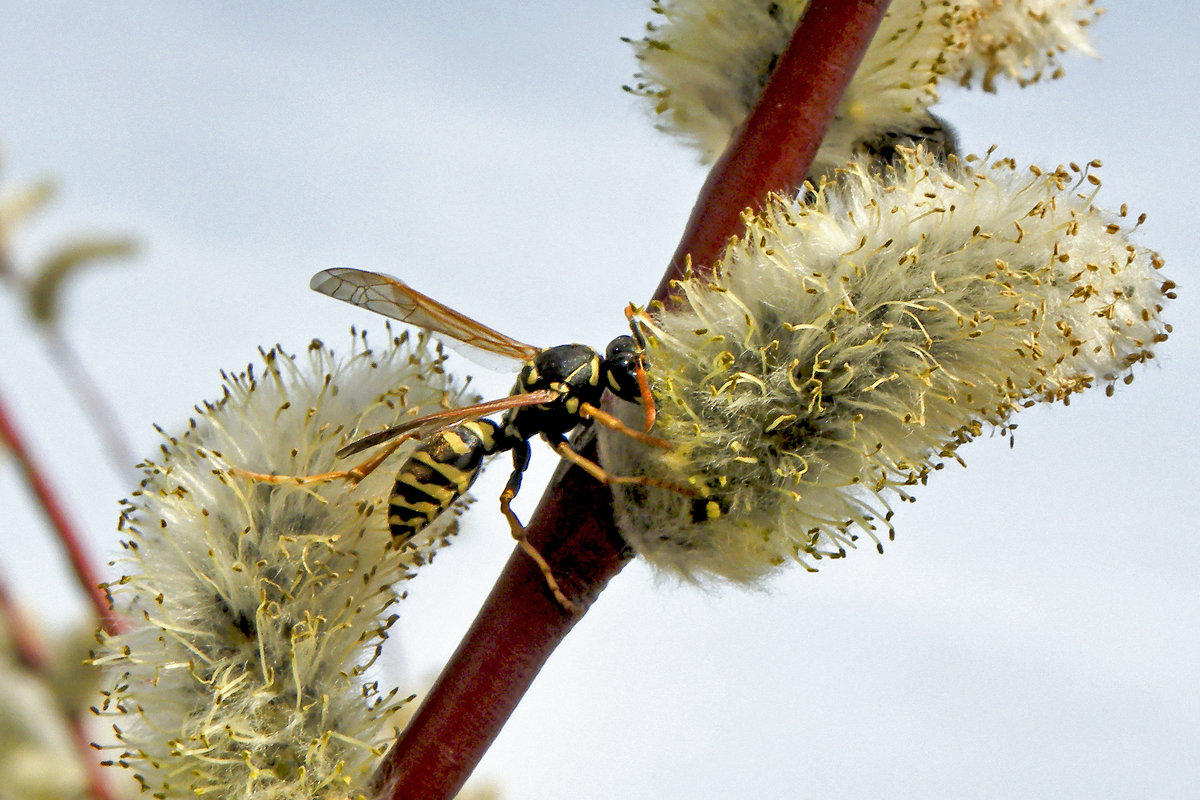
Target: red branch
[[775, 146], [31, 654], [68, 535], [520, 623]]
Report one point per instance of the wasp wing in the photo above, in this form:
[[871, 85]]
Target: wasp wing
[[430, 423], [393, 298]]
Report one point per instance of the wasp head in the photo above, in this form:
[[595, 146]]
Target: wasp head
[[620, 368]]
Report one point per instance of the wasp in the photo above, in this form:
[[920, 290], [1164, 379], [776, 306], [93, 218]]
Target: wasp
[[558, 390]]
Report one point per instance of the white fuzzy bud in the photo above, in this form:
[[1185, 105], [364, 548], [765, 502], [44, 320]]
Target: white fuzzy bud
[[257, 607], [1021, 41], [847, 345], [704, 65]]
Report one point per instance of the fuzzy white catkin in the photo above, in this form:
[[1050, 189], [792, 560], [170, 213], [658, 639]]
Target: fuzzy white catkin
[[704, 64], [847, 345], [258, 607]]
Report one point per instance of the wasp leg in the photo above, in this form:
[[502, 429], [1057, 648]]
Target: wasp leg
[[564, 449], [351, 476], [520, 463], [648, 405], [589, 411]]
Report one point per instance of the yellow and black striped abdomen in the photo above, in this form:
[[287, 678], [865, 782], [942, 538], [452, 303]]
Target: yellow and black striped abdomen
[[436, 474]]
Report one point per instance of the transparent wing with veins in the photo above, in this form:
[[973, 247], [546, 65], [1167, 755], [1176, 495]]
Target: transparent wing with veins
[[393, 298], [439, 420]]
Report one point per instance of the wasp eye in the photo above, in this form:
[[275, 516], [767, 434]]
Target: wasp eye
[[621, 348]]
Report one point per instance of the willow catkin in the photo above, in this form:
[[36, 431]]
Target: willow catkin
[[854, 338]]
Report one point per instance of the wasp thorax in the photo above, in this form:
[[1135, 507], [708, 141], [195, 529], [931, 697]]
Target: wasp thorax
[[567, 367], [572, 370]]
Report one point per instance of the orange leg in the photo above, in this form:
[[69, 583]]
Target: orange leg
[[520, 462], [518, 533], [648, 405], [589, 411], [352, 475], [564, 449]]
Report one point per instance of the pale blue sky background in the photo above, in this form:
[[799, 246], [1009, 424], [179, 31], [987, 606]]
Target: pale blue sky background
[[1031, 633]]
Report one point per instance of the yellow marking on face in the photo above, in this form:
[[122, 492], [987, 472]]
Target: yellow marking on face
[[712, 509], [572, 405]]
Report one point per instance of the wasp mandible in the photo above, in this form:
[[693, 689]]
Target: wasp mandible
[[558, 390]]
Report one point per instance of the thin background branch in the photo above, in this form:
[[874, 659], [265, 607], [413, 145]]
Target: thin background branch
[[68, 535]]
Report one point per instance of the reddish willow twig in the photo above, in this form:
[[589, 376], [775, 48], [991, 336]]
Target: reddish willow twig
[[84, 388], [520, 623], [68, 535], [31, 654]]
